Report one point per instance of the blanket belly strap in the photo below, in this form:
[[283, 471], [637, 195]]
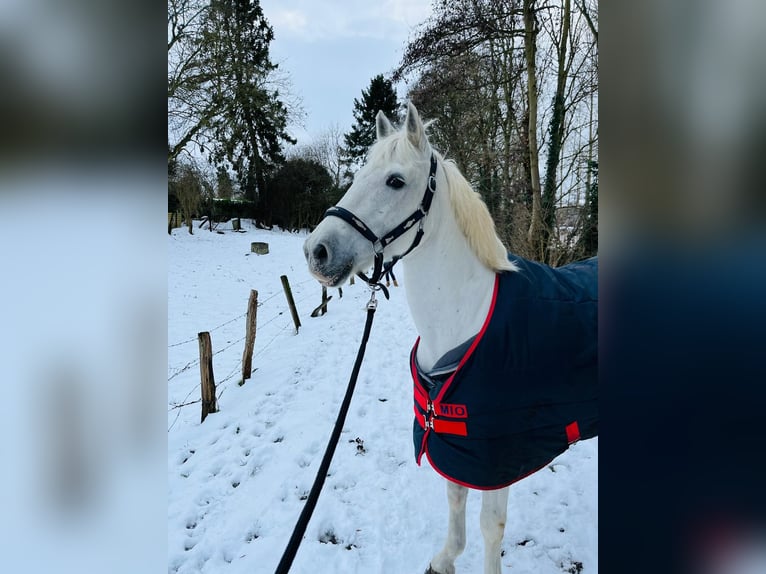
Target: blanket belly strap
[[573, 432]]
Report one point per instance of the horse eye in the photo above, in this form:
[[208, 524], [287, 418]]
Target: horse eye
[[395, 181]]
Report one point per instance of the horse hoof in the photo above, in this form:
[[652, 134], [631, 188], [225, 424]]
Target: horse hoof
[[431, 571]]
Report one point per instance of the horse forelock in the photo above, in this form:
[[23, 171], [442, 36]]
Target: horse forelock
[[394, 148]]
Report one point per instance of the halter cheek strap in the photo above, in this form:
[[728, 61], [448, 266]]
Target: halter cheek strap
[[379, 244]]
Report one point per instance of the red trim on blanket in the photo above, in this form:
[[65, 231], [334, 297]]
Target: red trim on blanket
[[475, 343], [420, 392], [469, 485], [421, 399], [421, 395], [423, 445]]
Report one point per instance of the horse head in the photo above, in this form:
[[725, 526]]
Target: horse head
[[381, 215]]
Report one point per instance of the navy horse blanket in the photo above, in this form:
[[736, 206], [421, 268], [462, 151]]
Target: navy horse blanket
[[523, 389]]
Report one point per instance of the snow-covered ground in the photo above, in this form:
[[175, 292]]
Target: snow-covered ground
[[236, 481]]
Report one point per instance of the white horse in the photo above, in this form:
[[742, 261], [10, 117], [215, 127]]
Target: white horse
[[453, 256]]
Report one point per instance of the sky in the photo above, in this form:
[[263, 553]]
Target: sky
[[331, 49]]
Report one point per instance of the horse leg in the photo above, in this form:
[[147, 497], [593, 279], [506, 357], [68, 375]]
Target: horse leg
[[494, 507], [444, 561]]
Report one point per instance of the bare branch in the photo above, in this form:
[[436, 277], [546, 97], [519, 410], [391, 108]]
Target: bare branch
[[584, 10]]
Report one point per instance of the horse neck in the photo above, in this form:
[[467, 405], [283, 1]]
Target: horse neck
[[449, 290]]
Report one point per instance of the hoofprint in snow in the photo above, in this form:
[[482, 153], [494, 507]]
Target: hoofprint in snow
[[236, 482]]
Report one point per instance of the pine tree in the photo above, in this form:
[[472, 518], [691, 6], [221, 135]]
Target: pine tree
[[379, 96], [250, 130]]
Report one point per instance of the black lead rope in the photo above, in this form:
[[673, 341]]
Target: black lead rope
[[300, 528], [379, 270]]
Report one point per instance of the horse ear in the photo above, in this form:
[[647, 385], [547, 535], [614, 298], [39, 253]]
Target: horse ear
[[382, 125], [416, 133]]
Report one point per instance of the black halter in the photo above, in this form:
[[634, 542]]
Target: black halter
[[379, 244]]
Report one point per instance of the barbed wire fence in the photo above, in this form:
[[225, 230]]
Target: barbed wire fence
[[223, 383]]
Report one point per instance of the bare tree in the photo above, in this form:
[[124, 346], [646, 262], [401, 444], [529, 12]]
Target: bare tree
[[555, 134], [189, 189], [530, 53], [512, 87], [327, 150], [190, 110], [589, 13]]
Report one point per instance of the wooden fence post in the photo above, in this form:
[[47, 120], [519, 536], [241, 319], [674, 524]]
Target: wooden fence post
[[207, 383], [247, 357], [322, 309], [291, 302]]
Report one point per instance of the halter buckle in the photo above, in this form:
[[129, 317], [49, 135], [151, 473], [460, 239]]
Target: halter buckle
[[432, 182]]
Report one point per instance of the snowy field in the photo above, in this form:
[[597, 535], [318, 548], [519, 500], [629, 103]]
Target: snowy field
[[236, 482]]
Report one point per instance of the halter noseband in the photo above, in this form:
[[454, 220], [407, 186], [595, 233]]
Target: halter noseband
[[379, 244]]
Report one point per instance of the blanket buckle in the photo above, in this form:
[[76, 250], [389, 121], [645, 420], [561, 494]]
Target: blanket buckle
[[428, 415]]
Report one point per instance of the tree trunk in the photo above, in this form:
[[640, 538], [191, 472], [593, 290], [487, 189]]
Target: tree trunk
[[530, 51], [590, 148], [555, 141]]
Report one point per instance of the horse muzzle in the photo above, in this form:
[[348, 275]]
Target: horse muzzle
[[328, 261]]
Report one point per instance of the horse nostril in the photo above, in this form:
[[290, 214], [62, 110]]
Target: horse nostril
[[320, 254]]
